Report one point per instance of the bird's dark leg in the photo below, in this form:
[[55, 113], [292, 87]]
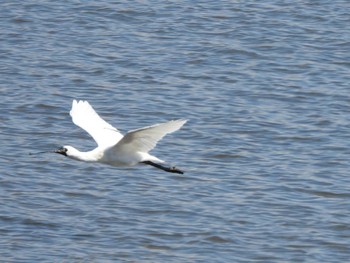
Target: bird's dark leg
[[164, 168]]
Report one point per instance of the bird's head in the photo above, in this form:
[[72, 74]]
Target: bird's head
[[67, 151], [62, 150], [70, 152]]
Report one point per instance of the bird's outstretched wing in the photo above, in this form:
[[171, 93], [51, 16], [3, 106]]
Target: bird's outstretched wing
[[84, 116], [145, 139]]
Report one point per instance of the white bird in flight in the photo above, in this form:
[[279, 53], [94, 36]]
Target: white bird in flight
[[112, 147]]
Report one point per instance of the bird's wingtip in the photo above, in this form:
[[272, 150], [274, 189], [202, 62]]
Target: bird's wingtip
[[79, 102], [181, 121]]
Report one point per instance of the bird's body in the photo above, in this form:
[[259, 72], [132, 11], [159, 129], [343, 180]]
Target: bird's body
[[112, 147]]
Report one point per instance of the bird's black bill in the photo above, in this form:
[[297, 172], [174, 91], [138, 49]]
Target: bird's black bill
[[164, 168], [61, 150], [40, 152]]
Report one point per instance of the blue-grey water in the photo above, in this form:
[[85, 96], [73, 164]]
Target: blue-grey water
[[265, 86]]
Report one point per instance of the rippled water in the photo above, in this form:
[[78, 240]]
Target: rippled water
[[265, 86]]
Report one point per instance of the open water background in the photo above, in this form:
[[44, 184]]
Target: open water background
[[265, 85]]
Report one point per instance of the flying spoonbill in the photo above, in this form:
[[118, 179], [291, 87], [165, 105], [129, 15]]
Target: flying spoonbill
[[112, 147]]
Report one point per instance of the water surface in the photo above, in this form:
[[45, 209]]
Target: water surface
[[265, 87]]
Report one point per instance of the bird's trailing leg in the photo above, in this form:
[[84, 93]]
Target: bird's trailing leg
[[164, 168]]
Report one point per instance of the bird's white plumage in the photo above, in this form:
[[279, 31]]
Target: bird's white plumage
[[145, 139], [114, 148], [84, 116]]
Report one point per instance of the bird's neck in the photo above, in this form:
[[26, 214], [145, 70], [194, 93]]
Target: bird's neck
[[91, 156]]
